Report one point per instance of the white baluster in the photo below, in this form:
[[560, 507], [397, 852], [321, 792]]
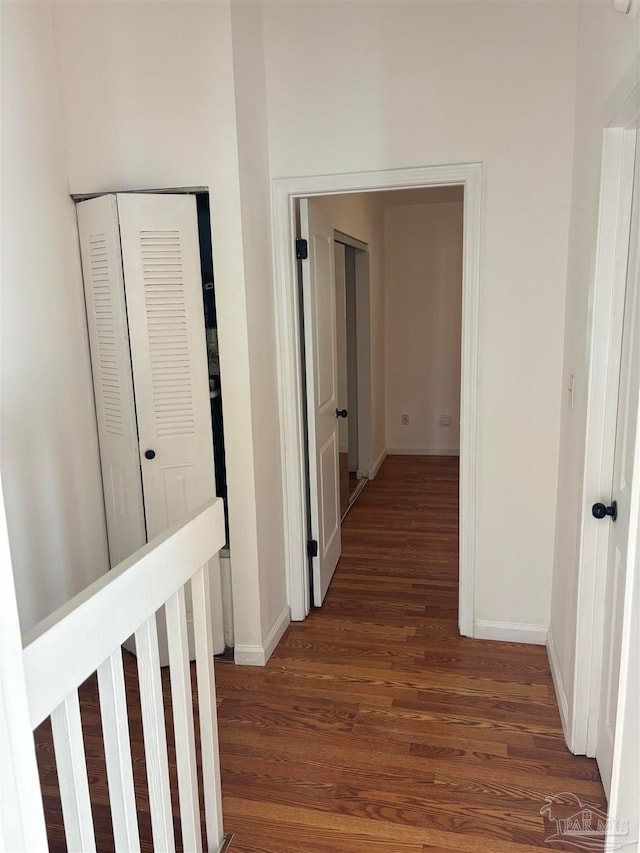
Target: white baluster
[[71, 764], [207, 703], [182, 702], [117, 750], [155, 736]]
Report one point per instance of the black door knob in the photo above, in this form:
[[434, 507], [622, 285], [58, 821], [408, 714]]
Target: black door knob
[[341, 413], [602, 511], [149, 454]]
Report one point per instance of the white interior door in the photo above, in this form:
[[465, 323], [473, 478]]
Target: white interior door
[[111, 367], [319, 300], [143, 289], [625, 527], [163, 286]]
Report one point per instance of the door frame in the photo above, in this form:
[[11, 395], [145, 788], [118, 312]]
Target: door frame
[[612, 250], [285, 192]]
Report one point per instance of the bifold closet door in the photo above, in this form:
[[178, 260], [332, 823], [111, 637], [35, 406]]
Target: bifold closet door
[[143, 286], [163, 286], [111, 367]]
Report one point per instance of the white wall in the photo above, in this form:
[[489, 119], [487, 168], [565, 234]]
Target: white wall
[[608, 67], [50, 463], [400, 84], [253, 161], [158, 94], [169, 94], [423, 309]]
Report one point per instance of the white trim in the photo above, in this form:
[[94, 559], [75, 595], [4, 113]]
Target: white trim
[[377, 465], [284, 193], [250, 655], [226, 593], [348, 240], [423, 451], [604, 367], [510, 632], [561, 693]]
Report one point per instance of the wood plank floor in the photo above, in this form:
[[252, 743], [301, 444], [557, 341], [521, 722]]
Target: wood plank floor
[[375, 727]]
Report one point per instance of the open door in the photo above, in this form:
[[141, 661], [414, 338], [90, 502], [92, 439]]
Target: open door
[[624, 506], [319, 298]]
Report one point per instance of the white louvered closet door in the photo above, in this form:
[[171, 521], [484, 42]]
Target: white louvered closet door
[[143, 290], [111, 368], [163, 286]]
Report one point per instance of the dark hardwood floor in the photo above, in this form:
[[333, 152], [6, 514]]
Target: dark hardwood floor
[[374, 727]]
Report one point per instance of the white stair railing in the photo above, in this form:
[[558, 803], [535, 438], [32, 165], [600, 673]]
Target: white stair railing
[[84, 636]]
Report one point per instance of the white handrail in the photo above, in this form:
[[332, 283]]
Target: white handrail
[[85, 636], [86, 630]]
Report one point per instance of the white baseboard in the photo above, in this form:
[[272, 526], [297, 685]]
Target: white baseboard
[[510, 632], [377, 464], [247, 655], [423, 451], [561, 693]]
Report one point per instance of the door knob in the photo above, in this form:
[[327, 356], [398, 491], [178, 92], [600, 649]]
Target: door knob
[[149, 454], [341, 413], [602, 511]]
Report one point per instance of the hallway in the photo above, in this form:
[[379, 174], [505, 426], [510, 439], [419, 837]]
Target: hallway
[[374, 726]]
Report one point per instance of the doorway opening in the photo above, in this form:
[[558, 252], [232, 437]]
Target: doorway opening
[[217, 416], [213, 354], [412, 243]]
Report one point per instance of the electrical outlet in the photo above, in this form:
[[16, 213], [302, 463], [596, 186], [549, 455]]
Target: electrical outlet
[[405, 420], [445, 420]]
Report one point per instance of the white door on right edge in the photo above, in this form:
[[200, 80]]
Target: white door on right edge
[[626, 447], [319, 297]]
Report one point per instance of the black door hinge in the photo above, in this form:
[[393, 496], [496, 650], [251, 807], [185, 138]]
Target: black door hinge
[[312, 548], [302, 250]]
